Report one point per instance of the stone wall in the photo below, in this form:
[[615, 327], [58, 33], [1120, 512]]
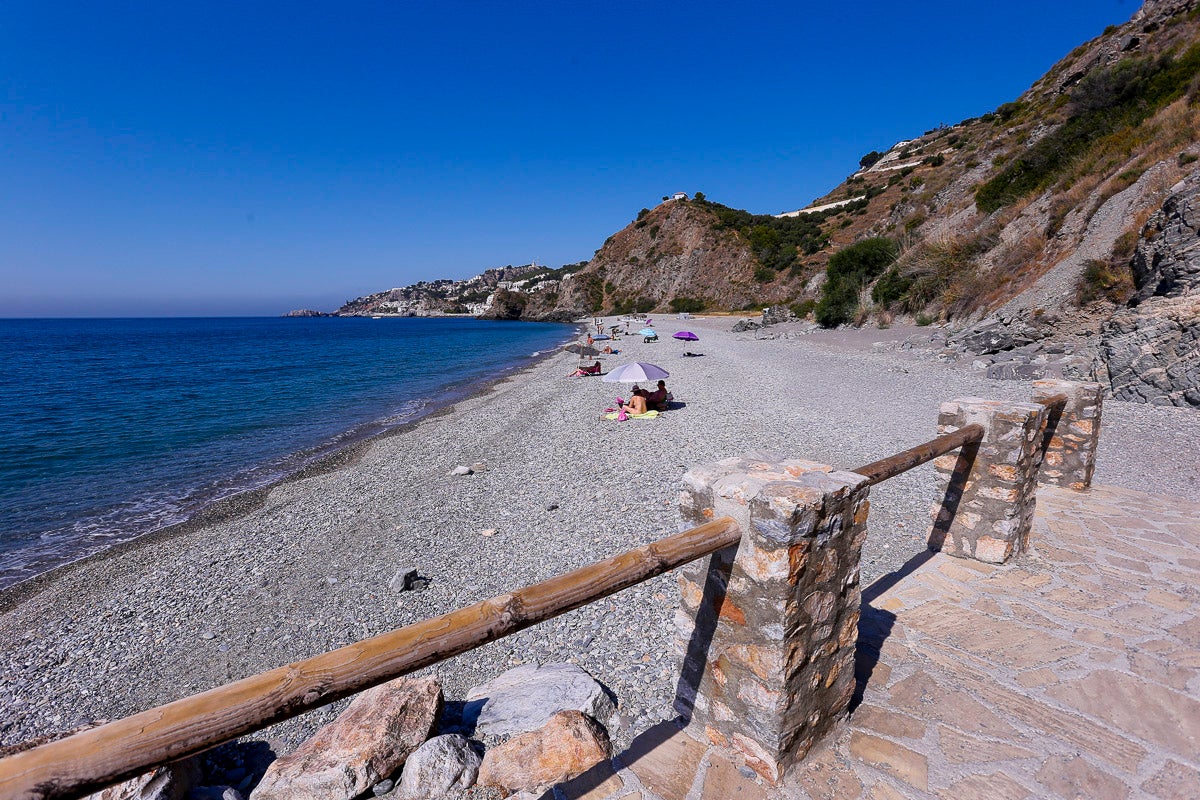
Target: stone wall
[[989, 489], [769, 627], [1072, 433]]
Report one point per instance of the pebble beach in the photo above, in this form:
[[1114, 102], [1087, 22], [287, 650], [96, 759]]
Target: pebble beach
[[307, 565]]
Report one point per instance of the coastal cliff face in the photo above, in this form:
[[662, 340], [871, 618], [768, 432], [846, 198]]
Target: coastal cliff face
[[673, 252]]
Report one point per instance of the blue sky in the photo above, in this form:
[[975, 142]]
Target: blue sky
[[249, 158]]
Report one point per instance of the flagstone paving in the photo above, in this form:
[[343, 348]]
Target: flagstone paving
[[1073, 672]]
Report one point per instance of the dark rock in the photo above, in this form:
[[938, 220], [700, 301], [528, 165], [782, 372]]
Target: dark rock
[[407, 580]]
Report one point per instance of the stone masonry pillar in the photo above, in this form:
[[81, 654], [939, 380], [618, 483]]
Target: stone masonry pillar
[[769, 626], [1073, 433], [990, 488]]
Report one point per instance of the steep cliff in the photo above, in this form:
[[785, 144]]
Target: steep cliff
[[678, 255]]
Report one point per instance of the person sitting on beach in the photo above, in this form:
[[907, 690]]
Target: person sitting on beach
[[594, 369], [636, 404], [658, 398]]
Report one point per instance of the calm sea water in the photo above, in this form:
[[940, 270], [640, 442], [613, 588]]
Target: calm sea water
[[113, 428]]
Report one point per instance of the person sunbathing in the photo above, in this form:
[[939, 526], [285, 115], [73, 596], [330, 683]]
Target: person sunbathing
[[636, 405], [584, 371]]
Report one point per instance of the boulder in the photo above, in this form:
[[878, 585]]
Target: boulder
[[442, 764], [368, 742], [524, 698], [168, 782], [569, 744], [996, 336], [1152, 353]]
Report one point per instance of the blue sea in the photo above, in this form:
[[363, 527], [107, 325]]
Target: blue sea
[[114, 428]]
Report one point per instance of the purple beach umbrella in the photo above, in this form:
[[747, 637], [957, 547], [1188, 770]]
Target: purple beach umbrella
[[687, 336], [636, 372]]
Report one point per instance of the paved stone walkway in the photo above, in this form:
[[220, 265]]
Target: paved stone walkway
[[1072, 673]]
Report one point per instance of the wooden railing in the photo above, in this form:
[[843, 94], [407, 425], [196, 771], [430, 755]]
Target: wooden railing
[[93, 759], [892, 466]]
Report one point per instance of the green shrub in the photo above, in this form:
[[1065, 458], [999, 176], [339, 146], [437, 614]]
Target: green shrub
[[1187, 158], [1102, 279], [849, 270], [870, 159], [774, 241], [764, 275], [687, 305], [891, 287], [1009, 110], [924, 319]]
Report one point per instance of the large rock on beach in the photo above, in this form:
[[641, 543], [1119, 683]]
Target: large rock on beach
[[569, 744], [441, 765], [526, 697], [168, 782], [368, 741]]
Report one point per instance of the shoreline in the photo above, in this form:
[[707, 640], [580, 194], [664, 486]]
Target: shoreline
[[245, 501], [305, 568]]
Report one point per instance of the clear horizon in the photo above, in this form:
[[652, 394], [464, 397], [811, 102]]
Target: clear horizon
[[222, 160]]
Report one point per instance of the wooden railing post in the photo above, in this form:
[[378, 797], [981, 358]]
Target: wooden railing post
[[988, 489], [769, 627], [1072, 434]]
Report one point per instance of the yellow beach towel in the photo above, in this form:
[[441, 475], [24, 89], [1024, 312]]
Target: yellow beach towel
[[648, 415]]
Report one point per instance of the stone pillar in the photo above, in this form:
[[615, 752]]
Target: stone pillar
[[990, 488], [1072, 433], [769, 627]]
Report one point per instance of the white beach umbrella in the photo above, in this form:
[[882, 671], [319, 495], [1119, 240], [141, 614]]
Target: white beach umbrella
[[636, 372]]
